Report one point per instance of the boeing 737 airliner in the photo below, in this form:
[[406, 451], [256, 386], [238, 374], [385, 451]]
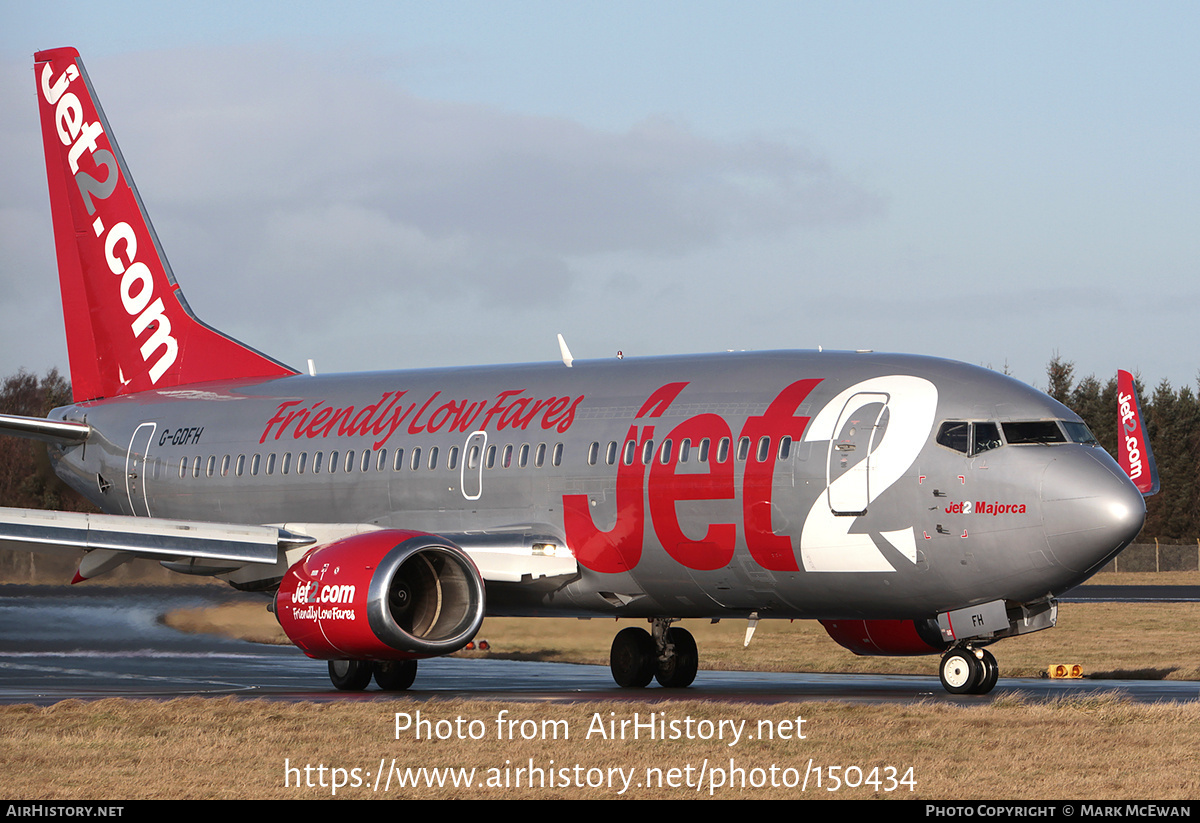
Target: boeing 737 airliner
[[912, 505]]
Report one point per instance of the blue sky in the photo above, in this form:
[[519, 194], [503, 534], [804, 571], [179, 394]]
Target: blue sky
[[393, 185]]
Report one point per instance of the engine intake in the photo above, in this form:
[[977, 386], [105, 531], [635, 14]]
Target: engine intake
[[385, 595]]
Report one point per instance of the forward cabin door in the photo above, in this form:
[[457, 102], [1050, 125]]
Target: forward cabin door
[[859, 428]]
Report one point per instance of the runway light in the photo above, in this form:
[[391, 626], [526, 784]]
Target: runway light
[[484, 645], [470, 646], [1073, 671]]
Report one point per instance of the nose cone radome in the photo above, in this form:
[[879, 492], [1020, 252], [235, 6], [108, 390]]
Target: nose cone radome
[[1090, 508]]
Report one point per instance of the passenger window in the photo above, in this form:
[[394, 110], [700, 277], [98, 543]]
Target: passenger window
[[630, 450], [764, 449], [610, 454], [785, 447], [593, 453], [333, 462], [664, 456], [473, 458], [723, 450], [182, 466], [490, 460], [366, 461], [685, 448], [415, 462], [381, 460], [318, 459], [398, 461], [743, 449], [270, 464], [452, 458], [301, 462], [539, 455], [225, 466], [523, 456], [433, 453], [287, 463], [556, 457], [703, 455], [647, 452]]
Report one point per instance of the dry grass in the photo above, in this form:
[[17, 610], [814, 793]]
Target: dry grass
[[1096, 748], [1099, 748]]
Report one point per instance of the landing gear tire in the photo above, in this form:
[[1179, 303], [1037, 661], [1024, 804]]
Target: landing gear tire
[[991, 673], [632, 659], [395, 675], [350, 675], [678, 670], [961, 672]]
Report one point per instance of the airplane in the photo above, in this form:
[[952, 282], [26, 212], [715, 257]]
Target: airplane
[[912, 505]]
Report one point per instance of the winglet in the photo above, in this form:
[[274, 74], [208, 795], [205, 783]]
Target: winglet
[[1133, 442]]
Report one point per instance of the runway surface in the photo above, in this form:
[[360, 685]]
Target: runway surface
[[58, 643]]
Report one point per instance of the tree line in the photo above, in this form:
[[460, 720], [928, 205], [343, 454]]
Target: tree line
[[1172, 417], [1173, 422]]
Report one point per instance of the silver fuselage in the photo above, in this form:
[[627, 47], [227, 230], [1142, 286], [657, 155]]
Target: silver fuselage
[[850, 508]]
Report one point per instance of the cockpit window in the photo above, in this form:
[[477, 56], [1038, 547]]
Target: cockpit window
[[954, 435], [969, 438], [985, 436], [1033, 431], [1080, 433]]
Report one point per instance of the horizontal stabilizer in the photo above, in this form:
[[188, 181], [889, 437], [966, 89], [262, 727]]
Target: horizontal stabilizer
[[48, 431]]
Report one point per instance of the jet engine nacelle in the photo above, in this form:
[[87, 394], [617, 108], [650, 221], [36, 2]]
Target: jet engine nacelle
[[894, 638], [383, 595]]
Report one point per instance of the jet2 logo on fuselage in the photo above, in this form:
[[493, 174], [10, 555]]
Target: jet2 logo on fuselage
[[643, 501]]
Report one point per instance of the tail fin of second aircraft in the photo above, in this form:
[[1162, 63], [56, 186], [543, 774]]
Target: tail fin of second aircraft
[[129, 328], [1133, 441]]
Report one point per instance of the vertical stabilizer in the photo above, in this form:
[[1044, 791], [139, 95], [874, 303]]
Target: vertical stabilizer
[[128, 327]]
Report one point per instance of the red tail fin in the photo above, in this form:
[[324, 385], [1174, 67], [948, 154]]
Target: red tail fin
[[1133, 442], [128, 327]]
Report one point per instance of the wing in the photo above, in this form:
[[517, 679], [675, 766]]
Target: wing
[[110, 540], [216, 548]]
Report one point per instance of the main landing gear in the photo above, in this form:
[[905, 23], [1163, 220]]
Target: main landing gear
[[355, 675], [968, 670], [668, 655]]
